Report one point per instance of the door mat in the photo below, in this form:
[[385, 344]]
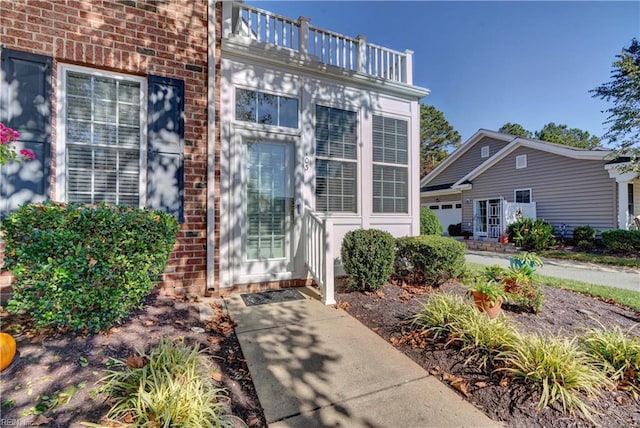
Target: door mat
[[272, 296]]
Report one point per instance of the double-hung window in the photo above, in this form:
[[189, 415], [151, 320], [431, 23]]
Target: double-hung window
[[522, 196], [336, 160], [103, 127], [390, 165]]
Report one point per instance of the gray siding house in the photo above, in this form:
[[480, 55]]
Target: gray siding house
[[493, 178]]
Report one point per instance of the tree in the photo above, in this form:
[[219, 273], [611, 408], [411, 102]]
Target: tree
[[437, 138], [561, 134], [515, 129], [624, 91]]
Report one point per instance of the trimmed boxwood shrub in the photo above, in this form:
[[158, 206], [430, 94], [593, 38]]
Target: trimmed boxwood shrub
[[429, 260], [429, 223], [83, 267], [621, 241], [455, 229], [584, 237], [367, 257]]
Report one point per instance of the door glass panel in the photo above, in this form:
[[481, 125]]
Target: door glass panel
[[268, 198]]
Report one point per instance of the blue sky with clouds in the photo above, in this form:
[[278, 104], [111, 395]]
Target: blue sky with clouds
[[487, 63]]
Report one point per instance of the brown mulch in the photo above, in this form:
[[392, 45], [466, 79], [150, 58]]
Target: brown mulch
[[388, 312], [52, 381]]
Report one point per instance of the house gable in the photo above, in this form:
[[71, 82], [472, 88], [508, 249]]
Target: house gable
[[466, 158]]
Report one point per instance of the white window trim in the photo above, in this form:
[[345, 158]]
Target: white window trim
[[397, 165], [358, 160], [522, 190], [484, 152], [521, 161], [262, 126], [61, 114]]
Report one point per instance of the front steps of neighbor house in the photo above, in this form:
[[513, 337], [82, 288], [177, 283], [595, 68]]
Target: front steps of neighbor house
[[493, 246]]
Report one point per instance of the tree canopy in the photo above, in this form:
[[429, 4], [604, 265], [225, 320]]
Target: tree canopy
[[515, 129], [624, 91], [437, 138], [554, 133], [562, 134]]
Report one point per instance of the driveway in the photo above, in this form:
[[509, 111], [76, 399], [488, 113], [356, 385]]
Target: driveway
[[610, 276]]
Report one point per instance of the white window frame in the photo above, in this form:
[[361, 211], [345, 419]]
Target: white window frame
[[356, 161], [515, 191], [484, 152], [393, 165], [285, 129], [61, 129], [521, 161]]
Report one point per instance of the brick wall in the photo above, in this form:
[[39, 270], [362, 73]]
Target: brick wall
[[161, 37]]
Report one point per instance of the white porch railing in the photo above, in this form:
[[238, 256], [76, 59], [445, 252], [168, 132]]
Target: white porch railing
[[318, 254], [326, 47]]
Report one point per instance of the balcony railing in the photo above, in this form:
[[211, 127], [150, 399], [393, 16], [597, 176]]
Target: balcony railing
[[323, 46]]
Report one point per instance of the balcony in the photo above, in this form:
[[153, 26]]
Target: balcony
[[251, 26]]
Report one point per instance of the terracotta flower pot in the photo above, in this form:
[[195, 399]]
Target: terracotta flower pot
[[484, 305]]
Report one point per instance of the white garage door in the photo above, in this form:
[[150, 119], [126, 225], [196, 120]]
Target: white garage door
[[447, 213]]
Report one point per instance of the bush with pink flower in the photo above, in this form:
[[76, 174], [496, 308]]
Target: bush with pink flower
[[8, 152]]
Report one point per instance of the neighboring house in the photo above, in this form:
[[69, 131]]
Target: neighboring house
[[266, 137], [493, 177]]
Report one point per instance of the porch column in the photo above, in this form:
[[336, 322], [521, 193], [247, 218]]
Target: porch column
[[623, 180], [623, 205]]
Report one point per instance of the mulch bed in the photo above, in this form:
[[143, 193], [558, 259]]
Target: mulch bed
[[52, 381], [565, 313]]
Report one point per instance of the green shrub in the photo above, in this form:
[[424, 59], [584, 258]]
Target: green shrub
[[584, 233], [168, 386], [428, 259], [84, 267], [618, 355], [621, 241], [367, 256], [557, 368], [455, 229], [429, 223], [531, 234]]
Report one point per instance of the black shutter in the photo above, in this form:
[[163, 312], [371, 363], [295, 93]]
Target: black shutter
[[25, 105], [165, 179]]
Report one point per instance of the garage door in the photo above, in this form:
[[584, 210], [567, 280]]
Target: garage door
[[447, 213]]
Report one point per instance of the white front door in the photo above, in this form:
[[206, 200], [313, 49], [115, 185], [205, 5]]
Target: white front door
[[268, 210]]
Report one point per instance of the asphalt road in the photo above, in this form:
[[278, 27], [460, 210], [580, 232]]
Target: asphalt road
[[611, 276]]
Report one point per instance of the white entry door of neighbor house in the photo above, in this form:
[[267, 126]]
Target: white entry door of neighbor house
[[487, 218], [268, 209]]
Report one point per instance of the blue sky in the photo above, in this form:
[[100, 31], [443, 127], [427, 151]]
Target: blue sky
[[487, 63]]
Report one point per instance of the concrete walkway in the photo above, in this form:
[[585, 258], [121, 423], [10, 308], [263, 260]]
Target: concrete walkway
[[316, 366], [610, 276]]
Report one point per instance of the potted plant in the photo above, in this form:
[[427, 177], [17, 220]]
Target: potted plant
[[530, 260], [466, 234], [504, 239], [487, 295]]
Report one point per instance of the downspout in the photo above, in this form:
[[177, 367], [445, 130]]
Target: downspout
[[211, 144]]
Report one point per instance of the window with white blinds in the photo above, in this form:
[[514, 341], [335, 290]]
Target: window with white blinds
[[390, 165], [336, 160], [103, 133]]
